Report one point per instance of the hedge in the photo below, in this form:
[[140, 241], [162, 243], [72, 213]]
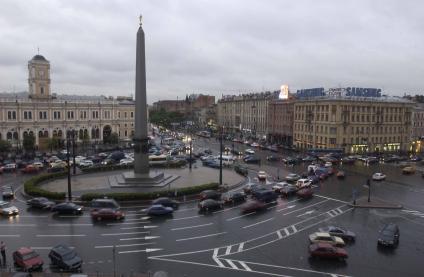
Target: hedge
[[98, 168], [31, 188], [123, 196]]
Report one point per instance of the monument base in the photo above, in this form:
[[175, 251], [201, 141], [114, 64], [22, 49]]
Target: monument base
[[151, 179]]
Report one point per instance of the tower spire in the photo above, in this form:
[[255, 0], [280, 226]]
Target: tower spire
[[140, 18]]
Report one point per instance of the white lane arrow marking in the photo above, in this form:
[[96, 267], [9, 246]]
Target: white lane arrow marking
[[150, 227], [306, 213], [139, 238], [148, 250]]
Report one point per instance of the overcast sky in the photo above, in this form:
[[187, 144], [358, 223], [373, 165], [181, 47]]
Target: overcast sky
[[215, 47]]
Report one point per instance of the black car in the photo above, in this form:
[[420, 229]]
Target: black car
[[273, 158], [209, 194], [209, 205], [166, 202], [67, 208], [7, 192], [235, 197], [40, 203], [252, 160], [241, 170], [288, 190], [65, 258], [339, 232], [389, 235]]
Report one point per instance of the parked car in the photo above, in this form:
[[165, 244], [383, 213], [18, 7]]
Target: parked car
[[303, 183], [101, 203], [378, 176], [252, 206], [326, 237], [67, 208], [261, 175], [209, 194], [27, 259], [10, 167], [167, 202], [159, 210], [408, 170], [65, 258], [348, 160], [326, 250], [305, 193], [7, 192], [252, 160], [86, 163], [30, 169], [209, 205], [328, 164], [235, 197], [292, 177], [107, 214], [339, 232], [241, 170], [249, 151], [41, 203], [273, 158], [39, 165], [389, 235], [7, 209]]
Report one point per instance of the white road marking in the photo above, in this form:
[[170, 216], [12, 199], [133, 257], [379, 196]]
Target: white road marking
[[286, 231], [37, 216], [132, 228], [306, 213], [220, 264], [257, 223], [306, 207], [10, 236], [128, 223], [17, 225], [224, 210], [148, 250], [191, 227], [215, 252], [228, 250], [231, 264], [294, 229], [280, 236], [244, 266], [240, 216], [133, 207], [182, 218], [288, 207], [145, 238], [123, 245], [338, 209], [199, 237], [122, 234], [136, 219], [329, 198], [59, 236], [188, 209], [240, 248], [69, 224]]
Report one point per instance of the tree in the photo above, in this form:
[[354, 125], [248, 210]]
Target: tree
[[29, 142], [5, 146], [113, 138], [53, 143]]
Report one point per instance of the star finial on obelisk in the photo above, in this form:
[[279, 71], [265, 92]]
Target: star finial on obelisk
[[140, 18]]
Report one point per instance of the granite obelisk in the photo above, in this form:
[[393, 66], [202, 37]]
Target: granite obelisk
[[141, 158]]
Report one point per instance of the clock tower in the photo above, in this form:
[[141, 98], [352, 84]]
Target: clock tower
[[39, 77]]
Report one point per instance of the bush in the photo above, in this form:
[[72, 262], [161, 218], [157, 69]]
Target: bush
[[110, 167], [125, 196], [31, 188]]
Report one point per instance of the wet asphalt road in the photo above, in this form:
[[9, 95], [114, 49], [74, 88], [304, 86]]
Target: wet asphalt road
[[273, 242]]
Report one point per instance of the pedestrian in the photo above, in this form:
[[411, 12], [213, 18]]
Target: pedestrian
[[3, 252]]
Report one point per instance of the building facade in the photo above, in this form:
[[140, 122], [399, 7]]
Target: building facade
[[280, 122], [245, 114], [46, 115], [188, 106], [354, 124]]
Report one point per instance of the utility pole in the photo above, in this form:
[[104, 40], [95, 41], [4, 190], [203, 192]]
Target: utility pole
[[73, 152], [69, 166], [220, 155], [369, 190], [191, 144]]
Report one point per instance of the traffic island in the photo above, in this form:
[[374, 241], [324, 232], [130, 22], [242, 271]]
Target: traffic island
[[375, 203]]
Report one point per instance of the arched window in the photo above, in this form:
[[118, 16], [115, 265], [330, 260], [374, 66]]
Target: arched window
[[15, 135], [9, 136]]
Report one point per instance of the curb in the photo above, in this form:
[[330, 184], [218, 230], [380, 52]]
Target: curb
[[376, 206]]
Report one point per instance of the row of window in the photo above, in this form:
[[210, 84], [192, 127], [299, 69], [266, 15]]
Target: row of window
[[353, 130], [57, 115], [363, 109], [357, 140]]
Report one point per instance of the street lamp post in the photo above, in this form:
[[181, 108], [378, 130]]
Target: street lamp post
[[68, 136], [220, 156], [73, 152], [190, 151]]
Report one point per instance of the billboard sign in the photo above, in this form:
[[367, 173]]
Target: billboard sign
[[284, 92]]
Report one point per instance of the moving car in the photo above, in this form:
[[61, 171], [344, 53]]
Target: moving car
[[326, 237], [265, 195], [292, 177], [252, 206], [252, 160], [7, 192], [339, 232], [159, 210], [166, 202], [241, 170], [389, 235], [67, 208], [41, 203], [326, 250], [209, 205], [65, 258], [7, 209], [29, 169], [209, 194], [288, 190], [303, 183], [277, 187], [235, 197], [273, 158], [305, 193], [27, 259], [11, 167], [101, 203], [251, 187], [249, 151], [261, 175], [107, 214], [328, 164], [408, 170], [378, 176]]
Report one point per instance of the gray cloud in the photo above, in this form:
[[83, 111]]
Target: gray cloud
[[215, 47]]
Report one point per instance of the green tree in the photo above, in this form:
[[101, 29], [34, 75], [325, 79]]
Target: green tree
[[5, 146], [113, 138], [53, 143], [29, 142]]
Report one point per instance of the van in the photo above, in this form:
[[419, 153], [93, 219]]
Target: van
[[102, 203], [266, 195], [227, 160], [303, 183]]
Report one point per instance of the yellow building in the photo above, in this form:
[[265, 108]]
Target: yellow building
[[354, 124]]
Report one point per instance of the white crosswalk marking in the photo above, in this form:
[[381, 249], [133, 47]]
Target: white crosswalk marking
[[240, 248], [280, 236], [286, 231], [228, 250], [231, 264], [339, 210], [294, 229], [244, 265]]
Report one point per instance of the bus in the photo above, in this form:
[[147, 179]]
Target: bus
[[161, 159], [320, 152]]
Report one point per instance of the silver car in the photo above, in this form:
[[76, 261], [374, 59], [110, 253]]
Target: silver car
[[8, 209]]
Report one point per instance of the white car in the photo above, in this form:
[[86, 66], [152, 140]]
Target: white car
[[86, 163], [126, 162], [255, 144], [328, 164], [279, 186], [303, 183], [8, 209], [39, 165], [378, 176], [326, 237], [261, 175], [78, 159], [249, 151]]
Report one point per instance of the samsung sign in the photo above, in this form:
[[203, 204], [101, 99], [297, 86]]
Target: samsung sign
[[363, 92], [312, 92], [349, 91]]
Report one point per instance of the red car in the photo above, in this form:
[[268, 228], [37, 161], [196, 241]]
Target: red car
[[326, 250], [27, 259], [30, 169], [305, 193], [107, 213], [252, 206]]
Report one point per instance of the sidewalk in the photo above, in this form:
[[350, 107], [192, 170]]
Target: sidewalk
[[375, 203]]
